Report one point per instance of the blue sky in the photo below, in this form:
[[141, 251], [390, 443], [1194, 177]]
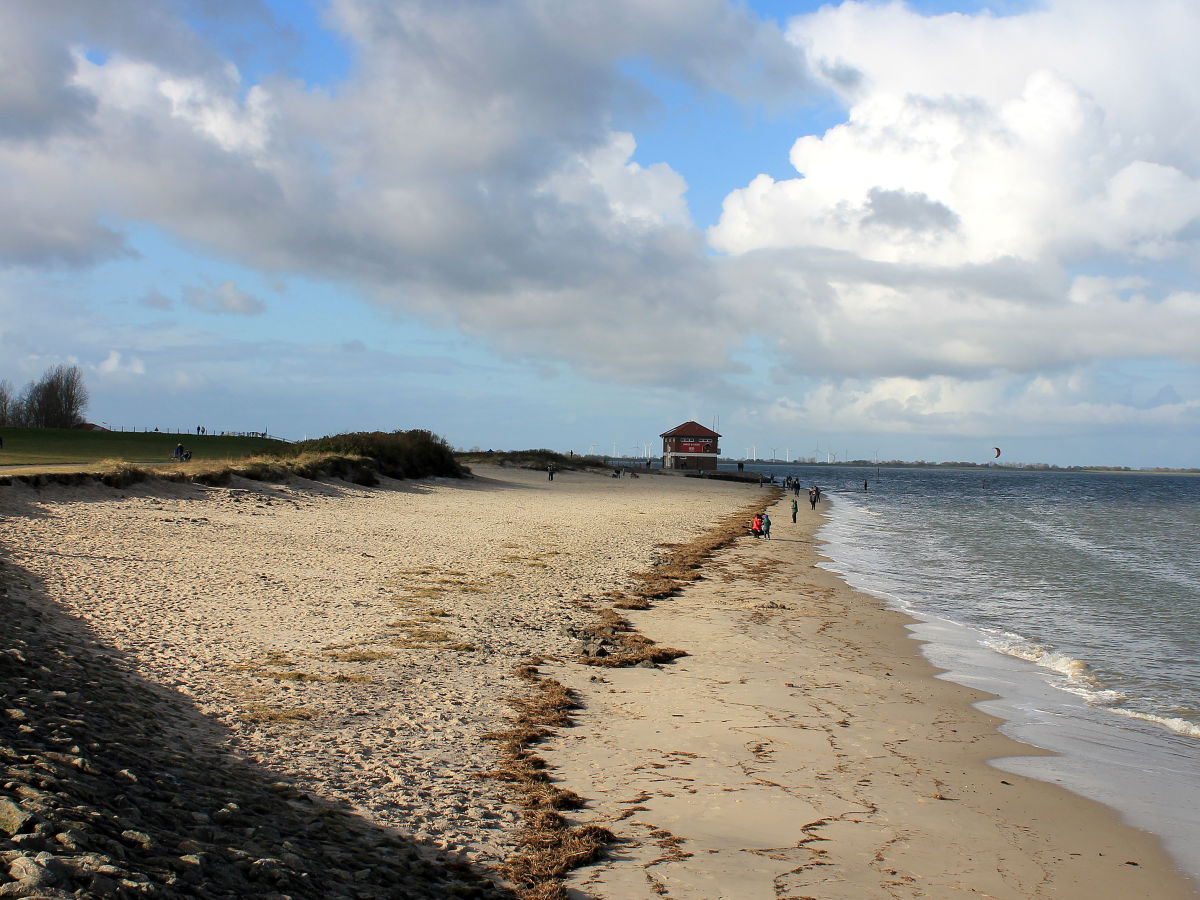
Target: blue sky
[[913, 230]]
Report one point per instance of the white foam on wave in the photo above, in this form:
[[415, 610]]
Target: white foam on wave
[[1179, 726], [1077, 675]]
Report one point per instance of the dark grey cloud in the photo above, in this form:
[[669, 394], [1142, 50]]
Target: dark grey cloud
[[846, 77], [36, 239], [907, 210], [36, 96]]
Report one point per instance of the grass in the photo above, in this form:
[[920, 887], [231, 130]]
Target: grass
[[359, 655], [264, 713], [69, 456], [66, 446], [428, 635]]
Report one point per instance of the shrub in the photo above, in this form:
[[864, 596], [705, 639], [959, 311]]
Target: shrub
[[535, 459], [398, 454]]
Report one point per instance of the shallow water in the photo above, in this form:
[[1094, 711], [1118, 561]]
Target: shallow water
[[1075, 597]]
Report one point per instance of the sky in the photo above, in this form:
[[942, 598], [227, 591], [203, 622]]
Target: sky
[[846, 230]]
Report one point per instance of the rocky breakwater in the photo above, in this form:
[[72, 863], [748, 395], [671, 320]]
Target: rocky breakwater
[[112, 786]]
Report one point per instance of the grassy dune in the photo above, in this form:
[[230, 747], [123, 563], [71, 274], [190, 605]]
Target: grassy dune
[[66, 456]]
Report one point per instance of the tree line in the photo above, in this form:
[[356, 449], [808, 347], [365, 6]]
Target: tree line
[[56, 400]]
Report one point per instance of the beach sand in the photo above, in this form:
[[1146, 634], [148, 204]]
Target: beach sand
[[804, 749], [363, 642]]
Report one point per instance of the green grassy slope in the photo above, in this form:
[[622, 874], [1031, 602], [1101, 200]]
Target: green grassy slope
[[53, 446]]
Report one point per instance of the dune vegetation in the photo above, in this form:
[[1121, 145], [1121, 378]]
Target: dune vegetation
[[65, 456]]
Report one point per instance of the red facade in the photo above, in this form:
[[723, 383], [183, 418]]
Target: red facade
[[690, 446]]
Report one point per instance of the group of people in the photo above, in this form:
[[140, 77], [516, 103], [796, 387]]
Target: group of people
[[814, 493], [760, 525]]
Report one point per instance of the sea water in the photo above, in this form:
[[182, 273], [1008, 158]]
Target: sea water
[[1072, 597]]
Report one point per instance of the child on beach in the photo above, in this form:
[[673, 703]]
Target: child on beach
[[766, 526], [756, 526]]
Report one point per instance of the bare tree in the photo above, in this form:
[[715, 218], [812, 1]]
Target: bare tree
[[57, 400], [7, 403]]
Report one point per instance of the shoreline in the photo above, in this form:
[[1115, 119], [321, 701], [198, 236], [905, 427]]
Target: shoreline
[[806, 747]]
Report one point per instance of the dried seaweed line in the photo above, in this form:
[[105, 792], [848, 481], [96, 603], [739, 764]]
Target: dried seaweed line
[[681, 566], [552, 846]]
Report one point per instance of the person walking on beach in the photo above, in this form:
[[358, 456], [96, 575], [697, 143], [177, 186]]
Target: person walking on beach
[[795, 506], [766, 526], [812, 497], [550, 471]]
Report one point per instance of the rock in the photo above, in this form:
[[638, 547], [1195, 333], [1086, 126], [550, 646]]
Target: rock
[[14, 819], [593, 648], [103, 886], [71, 840], [136, 837], [30, 872]]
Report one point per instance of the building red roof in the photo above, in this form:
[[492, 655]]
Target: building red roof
[[690, 429]]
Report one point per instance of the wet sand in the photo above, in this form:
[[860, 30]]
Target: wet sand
[[806, 749]]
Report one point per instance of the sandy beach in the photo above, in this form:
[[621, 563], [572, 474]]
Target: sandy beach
[[363, 643], [805, 749]]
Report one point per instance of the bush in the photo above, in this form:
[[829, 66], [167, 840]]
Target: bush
[[397, 454], [535, 459]]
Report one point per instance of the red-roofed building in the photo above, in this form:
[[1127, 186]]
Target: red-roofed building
[[690, 446]]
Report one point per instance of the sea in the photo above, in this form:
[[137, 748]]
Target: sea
[[1073, 597]]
